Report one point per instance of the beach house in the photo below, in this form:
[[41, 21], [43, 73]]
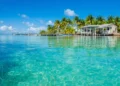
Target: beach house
[[105, 29]]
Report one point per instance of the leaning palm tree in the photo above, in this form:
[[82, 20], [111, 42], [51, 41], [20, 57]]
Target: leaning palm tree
[[65, 23], [68, 23], [89, 19], [100, 20]]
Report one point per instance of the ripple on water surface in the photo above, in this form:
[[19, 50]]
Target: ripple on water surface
[[60, 61]]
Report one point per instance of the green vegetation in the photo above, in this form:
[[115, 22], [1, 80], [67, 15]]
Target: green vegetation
[[69, 26], [43, 32]]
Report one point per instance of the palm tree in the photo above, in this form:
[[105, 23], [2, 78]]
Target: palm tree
[[42, 32], [57, 24], [100, 20], [51, 29], [90, 19], [69, 22], [81, 23], [64, 23], [110, 19], [117, 22], [64, 19], [95, 22], [76, 19], [69, 27], [69, 30]]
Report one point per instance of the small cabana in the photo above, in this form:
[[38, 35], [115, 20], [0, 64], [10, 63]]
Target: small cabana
[[105, 29]]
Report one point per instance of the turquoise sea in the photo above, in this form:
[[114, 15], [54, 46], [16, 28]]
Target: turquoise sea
[[59, 61]]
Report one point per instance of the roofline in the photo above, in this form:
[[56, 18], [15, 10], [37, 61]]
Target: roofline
[[103, 25]]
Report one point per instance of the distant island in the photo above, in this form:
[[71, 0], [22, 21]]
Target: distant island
[[73, 26], [26, 34]]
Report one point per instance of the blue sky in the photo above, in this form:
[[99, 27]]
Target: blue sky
[[33, 15]]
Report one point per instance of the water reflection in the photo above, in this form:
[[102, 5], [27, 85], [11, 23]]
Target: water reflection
[[84, 41]]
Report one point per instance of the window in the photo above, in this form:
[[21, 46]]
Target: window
[[88, 30], [108, 28]]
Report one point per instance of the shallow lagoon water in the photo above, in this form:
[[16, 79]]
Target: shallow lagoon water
[[59, 61]]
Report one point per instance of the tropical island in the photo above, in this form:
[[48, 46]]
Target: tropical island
[[68, 26]]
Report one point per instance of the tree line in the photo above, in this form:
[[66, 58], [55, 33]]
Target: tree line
[[70, 26]]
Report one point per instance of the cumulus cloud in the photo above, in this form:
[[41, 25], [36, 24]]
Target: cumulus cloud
[[1, 22], [6, 28], [32, 28], [28, 24], [23, 16], [69, 12], [49, 23]]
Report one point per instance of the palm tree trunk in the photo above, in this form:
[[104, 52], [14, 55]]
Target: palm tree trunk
[[66, 27], [58, 30]]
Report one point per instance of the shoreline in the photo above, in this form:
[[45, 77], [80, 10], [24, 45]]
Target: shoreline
[[116, 34]]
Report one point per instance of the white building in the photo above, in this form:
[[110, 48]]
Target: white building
[[105, 29]]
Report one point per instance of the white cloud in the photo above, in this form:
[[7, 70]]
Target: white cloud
[[36, 29], [1, 22], [6, 28], [23, 16], [28, 24], [69, 12], [49, 23]]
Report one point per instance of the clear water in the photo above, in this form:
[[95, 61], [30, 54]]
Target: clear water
[[59, 61]]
